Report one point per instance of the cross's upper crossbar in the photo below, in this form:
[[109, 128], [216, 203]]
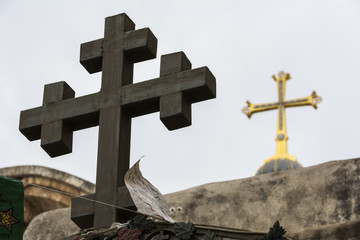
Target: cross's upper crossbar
[[140, 45], [139, 99], [312, 100]]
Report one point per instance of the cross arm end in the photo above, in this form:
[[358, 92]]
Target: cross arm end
[[91, 55], [82, 211], [316, 99], [206, 86], [30, 123], [140, 45], [250, 109], [247, 109]]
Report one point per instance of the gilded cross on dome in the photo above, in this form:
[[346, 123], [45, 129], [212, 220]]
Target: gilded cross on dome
[[282, 160]]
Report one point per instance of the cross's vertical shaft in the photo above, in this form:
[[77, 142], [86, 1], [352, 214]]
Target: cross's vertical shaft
[[281, 136], [114, 122]]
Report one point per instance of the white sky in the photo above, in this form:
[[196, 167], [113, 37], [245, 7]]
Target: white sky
[[242, 42]]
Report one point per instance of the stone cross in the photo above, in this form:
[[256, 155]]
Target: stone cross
[[281, 105], [112, 108]]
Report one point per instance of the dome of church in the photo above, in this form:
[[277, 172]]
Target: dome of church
[[278, 165]]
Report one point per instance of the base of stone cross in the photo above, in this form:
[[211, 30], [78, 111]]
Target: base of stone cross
[[82, 209]]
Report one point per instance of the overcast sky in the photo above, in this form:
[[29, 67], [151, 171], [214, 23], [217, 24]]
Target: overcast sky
[[242, 42]]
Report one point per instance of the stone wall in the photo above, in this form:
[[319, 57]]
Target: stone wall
[[311, 197], [314, 203], [50, 225]]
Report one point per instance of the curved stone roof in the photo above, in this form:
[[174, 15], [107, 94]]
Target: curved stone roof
[[278, 165], [37, 199], [28, 171], [310, 197]]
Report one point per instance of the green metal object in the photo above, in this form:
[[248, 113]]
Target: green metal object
[[11, 208]]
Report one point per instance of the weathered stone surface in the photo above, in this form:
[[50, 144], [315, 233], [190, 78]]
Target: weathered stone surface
[[54, 224], [38, 200], [305, 198], [344, 231], [319, 202]]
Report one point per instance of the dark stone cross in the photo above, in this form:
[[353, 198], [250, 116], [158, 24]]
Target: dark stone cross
[[112, 108]]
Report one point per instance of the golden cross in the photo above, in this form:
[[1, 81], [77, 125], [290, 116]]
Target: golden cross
[[281, 105]]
